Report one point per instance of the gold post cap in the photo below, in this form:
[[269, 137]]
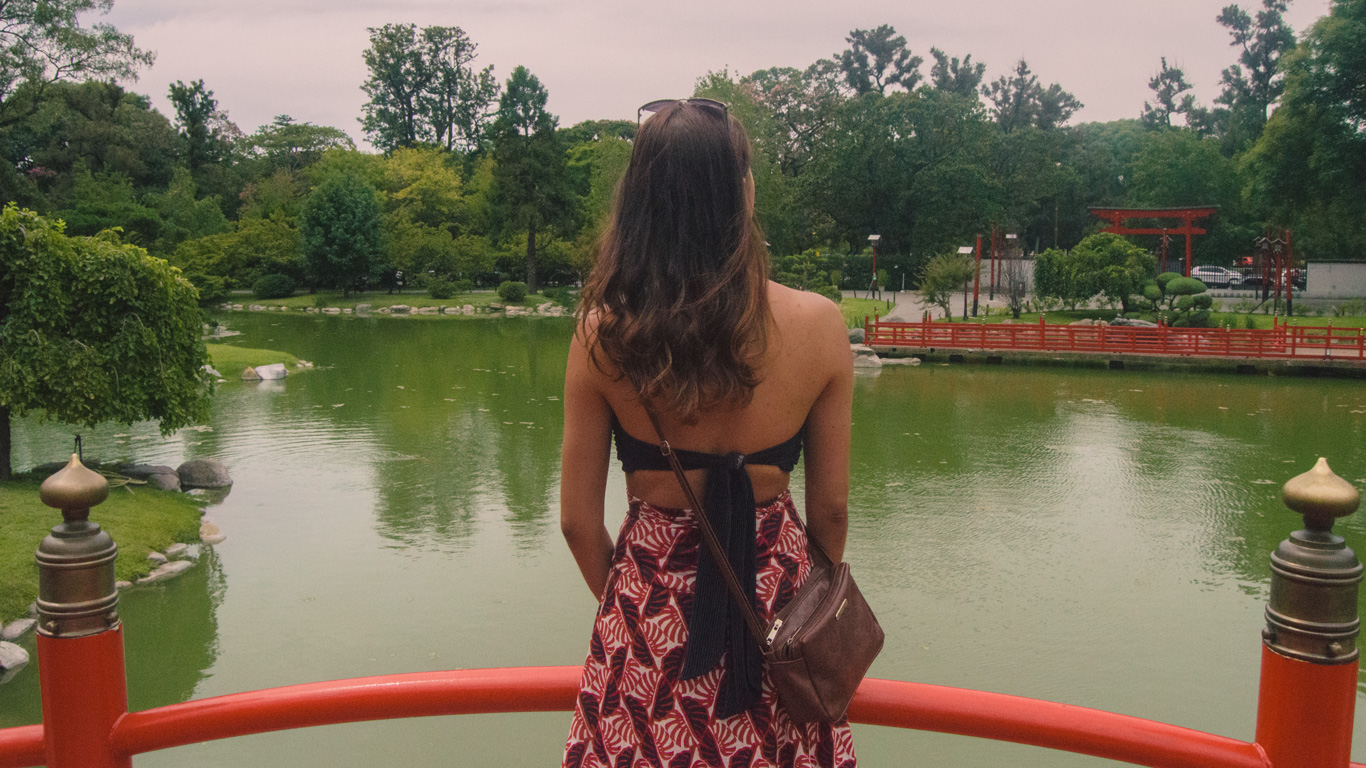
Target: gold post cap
[[74, 487], [1321, 494]]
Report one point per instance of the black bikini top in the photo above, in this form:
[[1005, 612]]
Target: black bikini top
[[714, 623]]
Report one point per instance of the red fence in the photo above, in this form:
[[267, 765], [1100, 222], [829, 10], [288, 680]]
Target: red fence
[[1297, 342]]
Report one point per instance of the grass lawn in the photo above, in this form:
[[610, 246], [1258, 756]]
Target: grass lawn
[[856, 309], [231, 361], [141, 520], [377, 299]]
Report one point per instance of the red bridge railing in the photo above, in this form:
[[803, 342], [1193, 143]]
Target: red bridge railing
[[1280, 342], [1305, 708]]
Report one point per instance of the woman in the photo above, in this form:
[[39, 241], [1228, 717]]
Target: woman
[[679, 315]]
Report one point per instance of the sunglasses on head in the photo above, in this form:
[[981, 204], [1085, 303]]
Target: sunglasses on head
[[719, 107]]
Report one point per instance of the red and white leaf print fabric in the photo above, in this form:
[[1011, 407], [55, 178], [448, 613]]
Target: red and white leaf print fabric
[[633, 711]]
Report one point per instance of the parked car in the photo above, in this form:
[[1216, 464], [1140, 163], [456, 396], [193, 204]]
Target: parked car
[[1217, 277], [1254, 279]]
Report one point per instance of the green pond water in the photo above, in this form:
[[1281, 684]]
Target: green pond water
[[1093, 537]]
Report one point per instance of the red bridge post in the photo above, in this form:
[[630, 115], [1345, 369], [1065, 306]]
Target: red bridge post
[[80, 639], [1309, 654]]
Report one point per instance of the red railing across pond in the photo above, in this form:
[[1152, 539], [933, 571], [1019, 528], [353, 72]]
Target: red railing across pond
[[1306, 697], [1296, 342]]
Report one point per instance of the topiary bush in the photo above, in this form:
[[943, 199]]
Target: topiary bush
[[273, 287], [831, 292], [512, 291]]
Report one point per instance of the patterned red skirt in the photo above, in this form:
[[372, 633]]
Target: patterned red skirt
[[633, 711]]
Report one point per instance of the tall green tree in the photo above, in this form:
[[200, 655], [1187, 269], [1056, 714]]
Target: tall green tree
[[1308, 170], [46, 43], [1020, 101], [457, 103], [1252, 85], [530, 184], [877, 59], [340, 232], [1169, 87], [92, 330], [961, 78], [424, 88]]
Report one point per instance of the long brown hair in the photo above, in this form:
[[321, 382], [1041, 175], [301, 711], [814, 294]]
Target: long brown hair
[[679, 291]]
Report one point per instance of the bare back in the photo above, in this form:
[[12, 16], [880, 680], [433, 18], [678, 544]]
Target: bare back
[[807, 356]]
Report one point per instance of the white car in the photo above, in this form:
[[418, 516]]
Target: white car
[[1217, 277]]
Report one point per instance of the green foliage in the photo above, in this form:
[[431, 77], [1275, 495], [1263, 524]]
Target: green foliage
[[46, 43], [94, 330], [424, 88], [530, 183], [944, 276], [274, 286], [512, 291], [340, 232], [562, 295], [1179, 301], [1114, 266], [831, 292], [441, 288], [878, 58]]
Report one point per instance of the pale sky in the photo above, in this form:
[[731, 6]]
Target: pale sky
[[603, 58]]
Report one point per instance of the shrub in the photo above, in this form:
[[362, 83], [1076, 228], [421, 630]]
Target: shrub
[[831, 292], [1350, 308], [512, 291], [562, 296], [273, 287], [441, 288], [463, 286]]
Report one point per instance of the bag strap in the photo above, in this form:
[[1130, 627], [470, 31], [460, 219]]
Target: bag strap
[[756, 627]]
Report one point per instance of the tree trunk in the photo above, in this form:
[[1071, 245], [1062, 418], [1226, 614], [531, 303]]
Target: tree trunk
[[4, 444], [531, 257]]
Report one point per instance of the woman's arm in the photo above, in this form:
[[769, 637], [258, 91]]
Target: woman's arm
[[583, 469], [827, 438]]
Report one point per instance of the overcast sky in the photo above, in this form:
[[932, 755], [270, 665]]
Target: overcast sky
[[603, 58]]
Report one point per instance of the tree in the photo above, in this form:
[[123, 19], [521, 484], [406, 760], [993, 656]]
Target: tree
[[204, 130], [1167, 85], [1179, 301], [1115, 267], [93, 330], [942, 277], [423, 88], [530, 183], [877, 59], [959, 78], [294, 146], [1308, 169], [1254, 83], [45, 44], [339, 231], [1019, 101], [457, 102]]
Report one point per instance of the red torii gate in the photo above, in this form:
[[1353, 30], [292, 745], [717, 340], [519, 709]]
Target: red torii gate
[[1187, 216]]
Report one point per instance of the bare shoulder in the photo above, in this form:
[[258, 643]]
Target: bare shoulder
[[808, 315]]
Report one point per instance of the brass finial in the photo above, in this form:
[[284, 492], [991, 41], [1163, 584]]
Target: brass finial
[[1320, 495], [75, 489]]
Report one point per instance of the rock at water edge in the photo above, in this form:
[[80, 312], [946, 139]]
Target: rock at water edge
[[272, 371], [178, 550], [17, 629], [867, 361], [12, 659], [143, 471], [855, 335], [204, 473], [157, 558], [400, 309], [250, 374], [166, 481]]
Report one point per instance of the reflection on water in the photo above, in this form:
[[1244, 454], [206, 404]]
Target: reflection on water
[[1095, 537]]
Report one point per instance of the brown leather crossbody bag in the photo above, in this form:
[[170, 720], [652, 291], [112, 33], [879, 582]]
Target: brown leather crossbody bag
[[820, 645]]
